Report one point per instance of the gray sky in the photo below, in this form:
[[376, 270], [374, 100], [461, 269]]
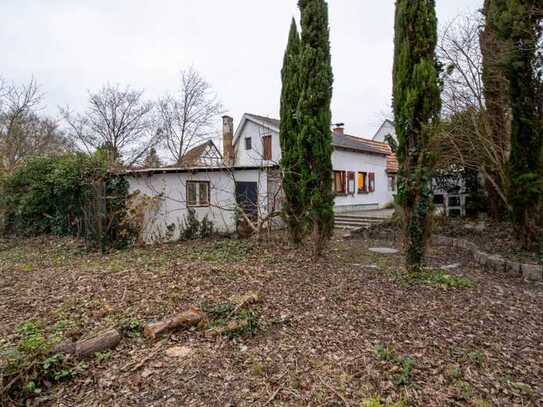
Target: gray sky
[[75, 46]]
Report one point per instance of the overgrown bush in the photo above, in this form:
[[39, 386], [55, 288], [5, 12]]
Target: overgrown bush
[[195, 229], [72, 195]]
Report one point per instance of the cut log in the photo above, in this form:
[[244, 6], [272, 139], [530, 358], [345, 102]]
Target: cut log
[[87, 347], [187, 319], [100, 343], [67, 347]]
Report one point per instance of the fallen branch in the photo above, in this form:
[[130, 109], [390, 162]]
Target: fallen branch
[[87, 347], [187, 319]]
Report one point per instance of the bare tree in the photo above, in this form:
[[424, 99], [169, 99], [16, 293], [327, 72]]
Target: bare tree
[[469, 138], [118, 120], [23, 132], [460, 53], [187, 117]]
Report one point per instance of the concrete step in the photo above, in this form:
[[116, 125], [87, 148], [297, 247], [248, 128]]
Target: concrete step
[[359, 219], [346, 227], [340, 225]]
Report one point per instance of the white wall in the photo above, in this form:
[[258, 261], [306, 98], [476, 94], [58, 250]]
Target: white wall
[[356, 162], [385, 129], [341, 160], [254, 157], [173, 209]]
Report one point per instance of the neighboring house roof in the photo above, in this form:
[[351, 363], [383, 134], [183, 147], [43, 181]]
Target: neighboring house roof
[[359, 144], [386, 122], [179, 170], [274, 123], [346, 142], [392, 164], [193, 156]]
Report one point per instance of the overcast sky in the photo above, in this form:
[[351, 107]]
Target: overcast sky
[[75, 46]]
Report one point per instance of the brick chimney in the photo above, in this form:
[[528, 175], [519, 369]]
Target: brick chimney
[[228, 140], [339, 129]]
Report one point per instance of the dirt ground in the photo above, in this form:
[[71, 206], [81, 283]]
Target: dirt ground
[[489, 236], [344, 330]]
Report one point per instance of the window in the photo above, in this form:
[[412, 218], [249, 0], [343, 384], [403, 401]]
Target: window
[[267, 148], [454, 201], [439, 199], [197, 193], [248, 143], [366, 182], [392, 183], [351, 183], [339, 182], [371, 182], [362, 182]]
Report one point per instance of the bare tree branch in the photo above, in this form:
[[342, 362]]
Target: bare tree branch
[[187, 118], [23, 132], [118, 120]]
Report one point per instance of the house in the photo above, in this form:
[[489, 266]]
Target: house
[[249, 177], [386, 129], [204, 155], [450, 193], [362, 171]]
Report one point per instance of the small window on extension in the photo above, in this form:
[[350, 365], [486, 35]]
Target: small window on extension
[[248, 143], [197, 193]]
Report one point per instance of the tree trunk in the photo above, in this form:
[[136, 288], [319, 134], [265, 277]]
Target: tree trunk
[[186, 319]]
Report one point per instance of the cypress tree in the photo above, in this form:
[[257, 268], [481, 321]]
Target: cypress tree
[[294, 207], [417, 104], [519, 25], [496, 94], [315, 118]]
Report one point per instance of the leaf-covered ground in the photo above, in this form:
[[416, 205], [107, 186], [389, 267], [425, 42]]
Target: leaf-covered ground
[[344, 330]]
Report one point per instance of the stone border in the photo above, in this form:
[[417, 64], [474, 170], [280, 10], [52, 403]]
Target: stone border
[[530, 272]]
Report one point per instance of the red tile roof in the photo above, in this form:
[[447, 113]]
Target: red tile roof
[[392, 164]]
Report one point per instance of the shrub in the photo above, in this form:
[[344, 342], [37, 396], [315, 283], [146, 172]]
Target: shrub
[[194, 228], [72, 195]]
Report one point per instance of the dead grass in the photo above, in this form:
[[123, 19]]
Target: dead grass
[[320, 326]]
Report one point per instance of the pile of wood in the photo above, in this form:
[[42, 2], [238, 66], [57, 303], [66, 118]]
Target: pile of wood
[[193, 317]]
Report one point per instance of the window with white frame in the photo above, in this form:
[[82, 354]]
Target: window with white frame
[[197, 193]]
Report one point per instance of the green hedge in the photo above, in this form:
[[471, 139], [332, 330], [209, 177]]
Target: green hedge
[[69, 195]]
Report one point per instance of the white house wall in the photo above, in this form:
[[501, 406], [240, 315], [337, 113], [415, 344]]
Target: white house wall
[[355, 162], [342, 160], [254, 156], [385, 129], [165, 223]]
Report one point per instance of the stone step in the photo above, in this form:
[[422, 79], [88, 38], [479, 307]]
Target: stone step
[[346, 227], [360, 218], [351, 224]]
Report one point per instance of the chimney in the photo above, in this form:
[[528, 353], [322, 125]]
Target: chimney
[[339, 129], [228, 140]]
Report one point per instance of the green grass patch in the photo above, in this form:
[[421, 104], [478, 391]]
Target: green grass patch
[[28, 365], [437, 279], [405, 365], [376, 402], [222, 251]]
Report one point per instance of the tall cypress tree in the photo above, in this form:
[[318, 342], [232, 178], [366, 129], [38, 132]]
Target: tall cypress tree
[[315, 118], [417, 104], [294, 207], [496, 93], [519, 24]]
